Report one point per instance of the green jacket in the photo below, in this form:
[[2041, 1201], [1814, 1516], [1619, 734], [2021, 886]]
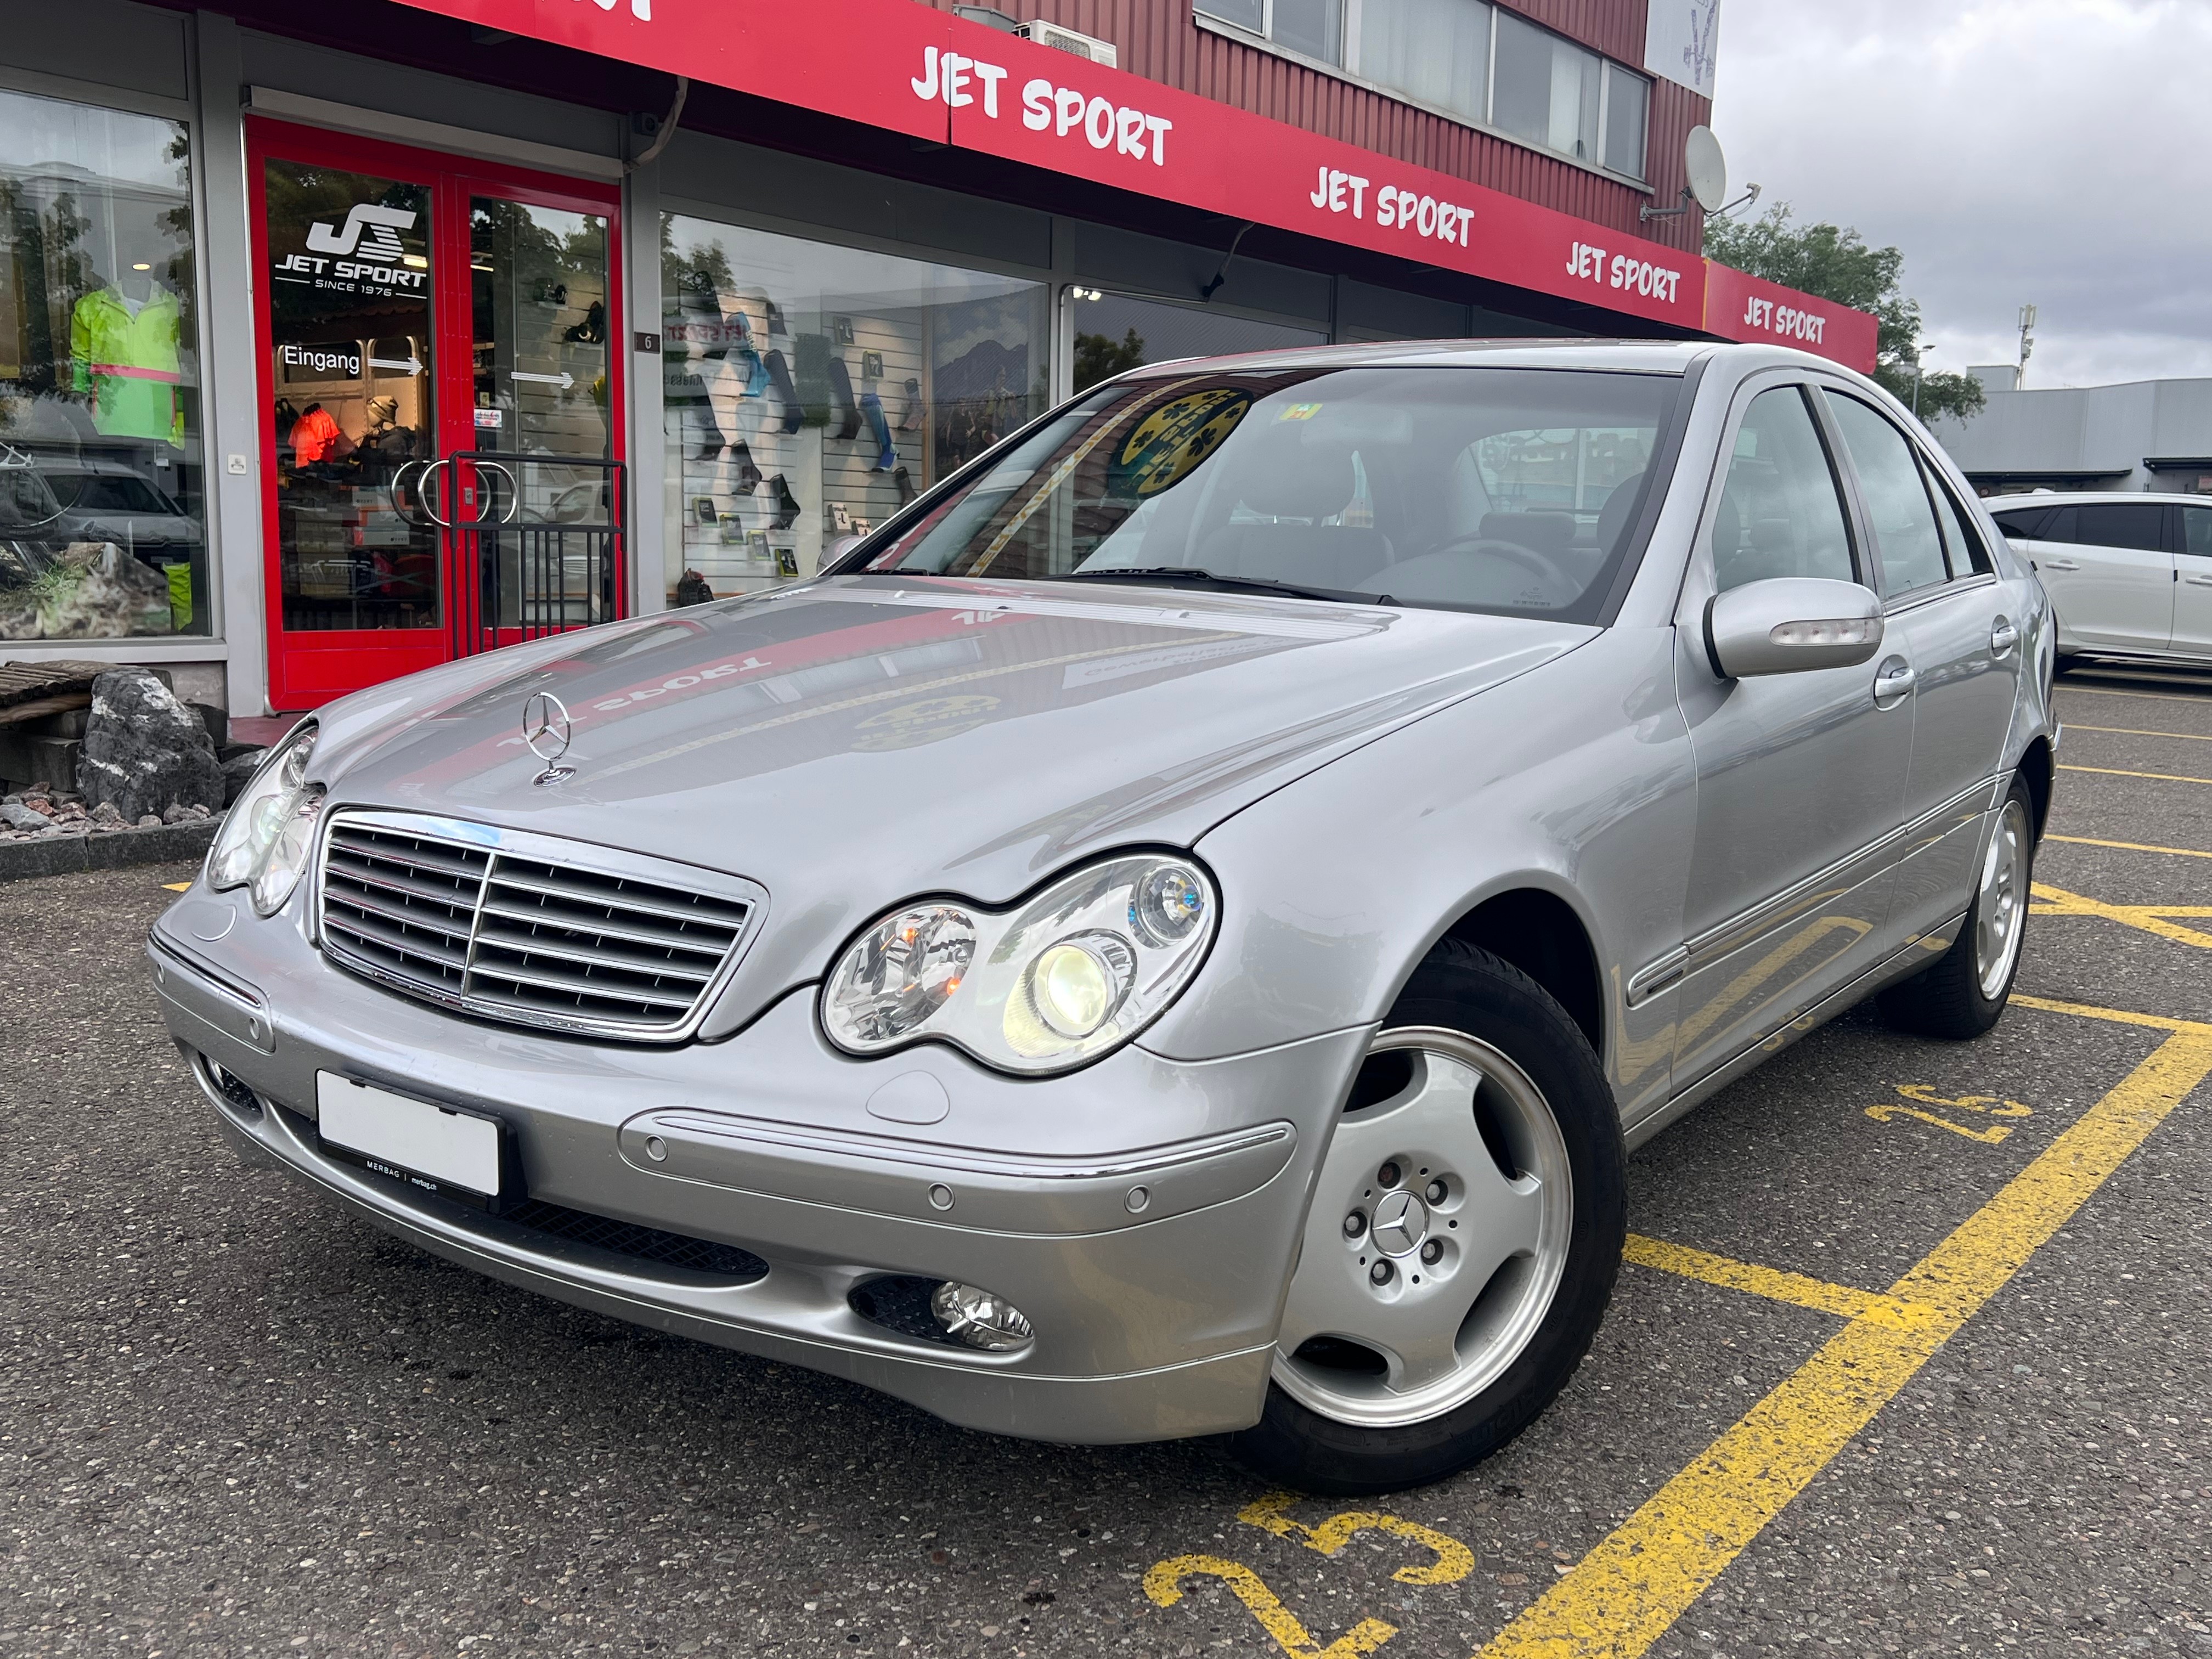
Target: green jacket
[[129, 364]]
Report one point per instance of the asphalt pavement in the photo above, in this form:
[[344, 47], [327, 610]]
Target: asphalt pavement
[[1914, 1355]]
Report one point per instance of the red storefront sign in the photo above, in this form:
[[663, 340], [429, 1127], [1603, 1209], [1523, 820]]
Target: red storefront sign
[[1739, 306], [895, 65]]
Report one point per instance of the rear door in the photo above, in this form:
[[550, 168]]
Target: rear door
[[1944, 606], [2192, 592], [2109, 571]]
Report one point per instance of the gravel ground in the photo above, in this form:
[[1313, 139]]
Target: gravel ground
[[233, 1421]]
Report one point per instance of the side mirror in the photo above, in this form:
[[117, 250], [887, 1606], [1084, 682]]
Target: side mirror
[[1787, 624]]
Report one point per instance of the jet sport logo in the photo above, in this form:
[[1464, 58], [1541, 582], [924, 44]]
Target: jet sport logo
[[381, 225], [641, 10], [363, 255]]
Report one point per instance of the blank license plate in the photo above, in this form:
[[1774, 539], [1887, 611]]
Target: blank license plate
[[439, 1149]]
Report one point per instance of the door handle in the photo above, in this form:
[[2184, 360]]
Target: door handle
[[2199, 582], [1894, 684], [2002, 637], [2061, 564]]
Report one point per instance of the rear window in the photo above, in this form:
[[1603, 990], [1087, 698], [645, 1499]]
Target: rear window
[[2024, 525], [1508, 490]]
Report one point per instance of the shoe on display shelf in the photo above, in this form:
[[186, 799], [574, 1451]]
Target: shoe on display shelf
[[844, 408], [784, 508], [787, 393], [871, 411]]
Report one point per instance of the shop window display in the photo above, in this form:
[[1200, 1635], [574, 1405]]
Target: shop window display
[[102, 526], [809, 391]]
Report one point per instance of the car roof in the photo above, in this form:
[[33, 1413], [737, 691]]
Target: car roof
[[1645, 356], [2074, 497]]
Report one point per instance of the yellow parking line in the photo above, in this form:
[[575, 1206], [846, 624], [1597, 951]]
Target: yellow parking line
[[2149, 696], [2154, 919], [176, 887], [2115, 772], [2133, 731], [2129, 846], [2118, 1016], [1628, 1591], [1769, 1282]]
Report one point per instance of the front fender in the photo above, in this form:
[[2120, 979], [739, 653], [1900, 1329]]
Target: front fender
[[1576, 779]]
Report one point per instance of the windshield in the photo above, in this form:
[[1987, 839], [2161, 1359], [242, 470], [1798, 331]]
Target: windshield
[[1499, 489]]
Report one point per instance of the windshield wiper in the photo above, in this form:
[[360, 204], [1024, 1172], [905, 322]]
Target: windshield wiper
[[1193, 576]]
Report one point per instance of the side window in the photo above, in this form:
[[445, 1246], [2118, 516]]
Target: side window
[[1961, 540], [1781, 511], [1902, 520], [2137, 525], [2024, 526], [2059, 527], [2197, 527]]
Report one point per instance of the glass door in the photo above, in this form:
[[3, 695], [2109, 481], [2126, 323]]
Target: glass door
[[444, 472], [537, 531]]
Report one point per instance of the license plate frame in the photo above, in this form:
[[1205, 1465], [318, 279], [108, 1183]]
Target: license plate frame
[[439, 1148]]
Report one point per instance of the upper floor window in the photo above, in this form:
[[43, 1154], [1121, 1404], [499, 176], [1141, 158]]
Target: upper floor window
[[1469, 59]]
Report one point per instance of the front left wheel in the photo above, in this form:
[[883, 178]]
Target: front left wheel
[[1462, 1242]]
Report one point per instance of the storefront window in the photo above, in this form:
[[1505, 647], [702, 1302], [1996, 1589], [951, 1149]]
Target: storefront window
[[811, 390], [102, 522], [1115, 332]]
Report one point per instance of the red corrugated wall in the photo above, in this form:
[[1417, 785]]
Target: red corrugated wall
[[1158, 39]]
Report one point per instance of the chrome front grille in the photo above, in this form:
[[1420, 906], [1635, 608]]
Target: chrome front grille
[[524, 928]]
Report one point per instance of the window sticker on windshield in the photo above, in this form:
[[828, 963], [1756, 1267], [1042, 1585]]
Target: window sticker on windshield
[[1298, 412], [1171, 441]]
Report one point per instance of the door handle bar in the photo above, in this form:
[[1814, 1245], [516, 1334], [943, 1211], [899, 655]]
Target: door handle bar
[[1895, 681], [2002, 637], [429, 495]]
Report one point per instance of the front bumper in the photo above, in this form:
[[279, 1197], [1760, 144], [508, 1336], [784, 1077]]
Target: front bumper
[[1143, 1213]]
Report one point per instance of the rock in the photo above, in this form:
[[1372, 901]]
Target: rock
[[108, 817], [184, 814], [150, 821], [16, 815], [238, 771], [144, 752]]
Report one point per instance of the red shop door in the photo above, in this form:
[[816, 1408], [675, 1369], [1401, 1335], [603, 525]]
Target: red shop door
[[444, 407]]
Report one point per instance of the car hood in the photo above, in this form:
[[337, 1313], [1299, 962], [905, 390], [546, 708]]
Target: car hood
[[859, 740]]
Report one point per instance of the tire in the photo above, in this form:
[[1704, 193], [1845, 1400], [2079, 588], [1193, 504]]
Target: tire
[[1962, 995], [1346, 1418]]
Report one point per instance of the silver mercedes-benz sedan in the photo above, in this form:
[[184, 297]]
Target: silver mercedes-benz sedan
[[1176, 933]]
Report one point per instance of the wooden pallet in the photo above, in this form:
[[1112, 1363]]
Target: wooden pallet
[[32, 682]]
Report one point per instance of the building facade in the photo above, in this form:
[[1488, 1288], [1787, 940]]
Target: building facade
[[334, 344], [2142, 434]]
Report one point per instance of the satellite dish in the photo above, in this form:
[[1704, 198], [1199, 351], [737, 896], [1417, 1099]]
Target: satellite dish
[[1708, 167]]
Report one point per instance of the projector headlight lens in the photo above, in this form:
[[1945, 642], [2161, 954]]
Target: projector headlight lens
[[268, 815], [1076, 972]]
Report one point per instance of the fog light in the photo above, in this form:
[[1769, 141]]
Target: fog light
[[979, 1318]]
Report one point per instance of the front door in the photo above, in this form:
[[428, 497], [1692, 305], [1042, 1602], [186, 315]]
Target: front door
[[444, 470], [1800, 777]]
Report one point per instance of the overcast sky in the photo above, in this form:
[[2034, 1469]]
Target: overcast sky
[[2044, 150]]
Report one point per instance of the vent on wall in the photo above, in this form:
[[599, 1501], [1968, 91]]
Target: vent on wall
[[1068, 41]]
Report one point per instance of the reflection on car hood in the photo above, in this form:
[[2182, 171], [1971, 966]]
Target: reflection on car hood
[[859, 740]]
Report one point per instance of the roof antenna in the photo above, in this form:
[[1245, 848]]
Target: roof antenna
[[1222, 275]]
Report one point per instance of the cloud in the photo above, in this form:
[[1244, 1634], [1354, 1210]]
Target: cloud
[[2043, 150]]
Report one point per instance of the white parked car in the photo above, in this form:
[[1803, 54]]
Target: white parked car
[[2129, 575]]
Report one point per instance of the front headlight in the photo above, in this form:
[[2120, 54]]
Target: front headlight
[[265, 840], [1079, 969]]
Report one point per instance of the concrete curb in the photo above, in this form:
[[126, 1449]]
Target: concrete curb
[[57, 855]]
